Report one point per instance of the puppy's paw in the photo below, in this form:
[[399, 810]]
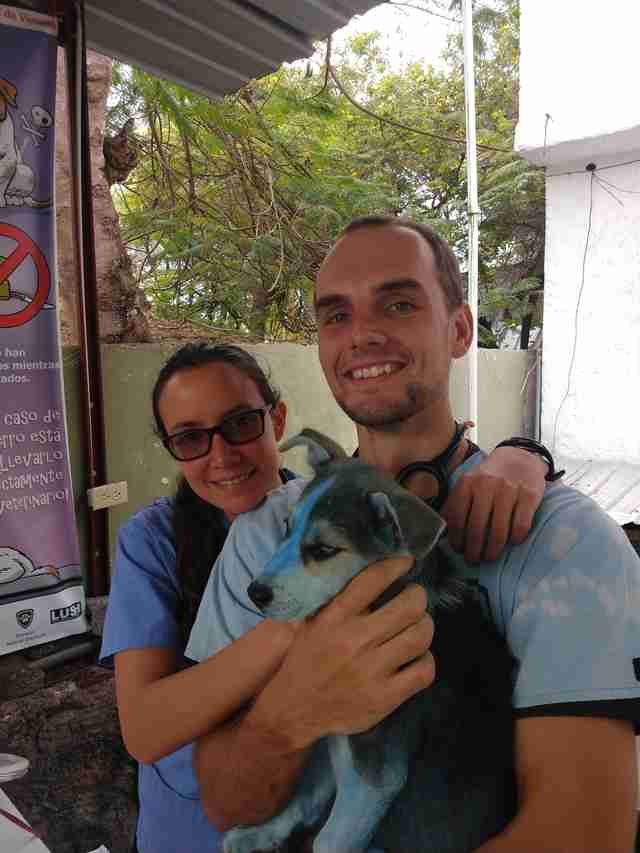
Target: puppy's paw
[[251, 839]]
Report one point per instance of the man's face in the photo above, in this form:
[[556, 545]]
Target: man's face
[[386, 334]]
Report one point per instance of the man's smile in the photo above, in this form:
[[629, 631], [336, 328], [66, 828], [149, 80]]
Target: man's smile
[[373, 371]]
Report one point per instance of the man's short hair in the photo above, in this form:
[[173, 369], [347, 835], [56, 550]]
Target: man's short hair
[[446, 262]]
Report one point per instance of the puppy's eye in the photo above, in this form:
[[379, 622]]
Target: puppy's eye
[[319, 551]]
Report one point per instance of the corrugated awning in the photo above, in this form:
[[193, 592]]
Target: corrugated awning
[[213, 46]]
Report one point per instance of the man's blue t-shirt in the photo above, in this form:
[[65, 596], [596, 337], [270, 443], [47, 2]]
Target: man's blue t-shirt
[[143, 612], [567, 600]]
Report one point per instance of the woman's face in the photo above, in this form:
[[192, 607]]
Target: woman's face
[[234, 478]]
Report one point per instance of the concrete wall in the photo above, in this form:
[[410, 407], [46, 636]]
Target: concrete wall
[[136, 455]]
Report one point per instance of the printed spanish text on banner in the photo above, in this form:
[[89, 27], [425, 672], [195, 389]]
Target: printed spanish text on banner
[[41, 592]]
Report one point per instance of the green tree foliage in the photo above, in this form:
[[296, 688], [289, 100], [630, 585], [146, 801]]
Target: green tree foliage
[[234, 204]]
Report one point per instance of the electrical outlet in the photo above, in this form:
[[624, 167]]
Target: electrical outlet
[[102, 497]]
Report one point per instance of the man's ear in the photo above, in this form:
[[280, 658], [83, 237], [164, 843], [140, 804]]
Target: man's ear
[[279, 415], [461, 330]]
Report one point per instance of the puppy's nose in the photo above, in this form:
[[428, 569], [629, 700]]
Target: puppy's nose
[[260, 593]]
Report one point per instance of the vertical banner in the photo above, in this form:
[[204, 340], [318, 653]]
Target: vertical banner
[[41, 591]]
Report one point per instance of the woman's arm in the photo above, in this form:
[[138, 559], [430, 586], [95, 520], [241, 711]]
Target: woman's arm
[[494, 503], [161, 709]]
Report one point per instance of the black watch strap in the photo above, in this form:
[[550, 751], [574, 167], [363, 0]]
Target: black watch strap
[[535, 447]]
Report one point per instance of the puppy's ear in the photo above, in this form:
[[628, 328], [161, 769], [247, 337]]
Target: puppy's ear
[[421, 526], [386, 524], [320, 448]]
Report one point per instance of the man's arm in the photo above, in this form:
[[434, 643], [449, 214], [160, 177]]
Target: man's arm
[[346, 670], [244, 777], [572, 626], [494, 503], [577, 788]]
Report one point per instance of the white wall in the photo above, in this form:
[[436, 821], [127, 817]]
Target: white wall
[[600, 415], [580, 64]]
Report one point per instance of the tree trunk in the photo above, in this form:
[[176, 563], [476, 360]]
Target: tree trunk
[[121, 303], [258, 318]]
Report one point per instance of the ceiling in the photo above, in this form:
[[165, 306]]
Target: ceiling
[[213, 46]]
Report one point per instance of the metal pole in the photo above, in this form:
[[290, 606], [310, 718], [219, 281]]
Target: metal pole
[[97, 575], [472, 208]]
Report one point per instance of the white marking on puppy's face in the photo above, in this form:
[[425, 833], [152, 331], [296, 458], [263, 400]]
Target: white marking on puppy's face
[[306, 574], [298, 595]]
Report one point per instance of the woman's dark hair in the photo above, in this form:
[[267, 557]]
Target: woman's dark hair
[[201, 353], [199, 527]]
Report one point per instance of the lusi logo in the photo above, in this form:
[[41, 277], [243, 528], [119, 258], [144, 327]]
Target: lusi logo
[[63, 614], [24, 618]]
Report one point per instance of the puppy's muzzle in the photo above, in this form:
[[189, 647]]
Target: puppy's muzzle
[[260, 593]]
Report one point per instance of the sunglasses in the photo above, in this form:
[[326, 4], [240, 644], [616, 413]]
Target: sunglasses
[[236, 429]]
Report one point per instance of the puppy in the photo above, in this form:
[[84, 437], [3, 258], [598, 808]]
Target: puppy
[[437, 774]]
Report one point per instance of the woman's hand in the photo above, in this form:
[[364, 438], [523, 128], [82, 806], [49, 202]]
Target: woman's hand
[[494, 503]]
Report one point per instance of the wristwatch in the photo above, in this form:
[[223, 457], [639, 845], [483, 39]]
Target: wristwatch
[[535, 447]]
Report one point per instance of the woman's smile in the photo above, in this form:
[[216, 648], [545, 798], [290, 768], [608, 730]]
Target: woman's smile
[[235, 480]]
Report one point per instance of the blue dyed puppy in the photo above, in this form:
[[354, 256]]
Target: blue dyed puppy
[[436, 775]]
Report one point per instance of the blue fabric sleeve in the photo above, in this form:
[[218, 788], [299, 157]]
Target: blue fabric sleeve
[[226, 612], [144, 596], [574, 622]]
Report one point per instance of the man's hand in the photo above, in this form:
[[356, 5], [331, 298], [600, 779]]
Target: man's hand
[[494, 503], [348, 668]]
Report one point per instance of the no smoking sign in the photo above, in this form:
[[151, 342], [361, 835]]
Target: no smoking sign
[[24, 249]]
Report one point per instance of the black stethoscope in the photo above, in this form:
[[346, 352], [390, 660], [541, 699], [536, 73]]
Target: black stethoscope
[[436, 468]]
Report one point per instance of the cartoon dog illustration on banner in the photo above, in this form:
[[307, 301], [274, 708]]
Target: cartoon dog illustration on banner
[[19, 305], [19, 574], [17, 178], [41, 121]]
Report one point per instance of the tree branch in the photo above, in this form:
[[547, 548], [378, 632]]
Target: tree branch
[[402, 126]]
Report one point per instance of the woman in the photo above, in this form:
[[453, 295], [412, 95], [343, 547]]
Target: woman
[[163, 561], [221, 419]]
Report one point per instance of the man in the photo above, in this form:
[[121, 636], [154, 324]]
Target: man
[[391, 318]]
